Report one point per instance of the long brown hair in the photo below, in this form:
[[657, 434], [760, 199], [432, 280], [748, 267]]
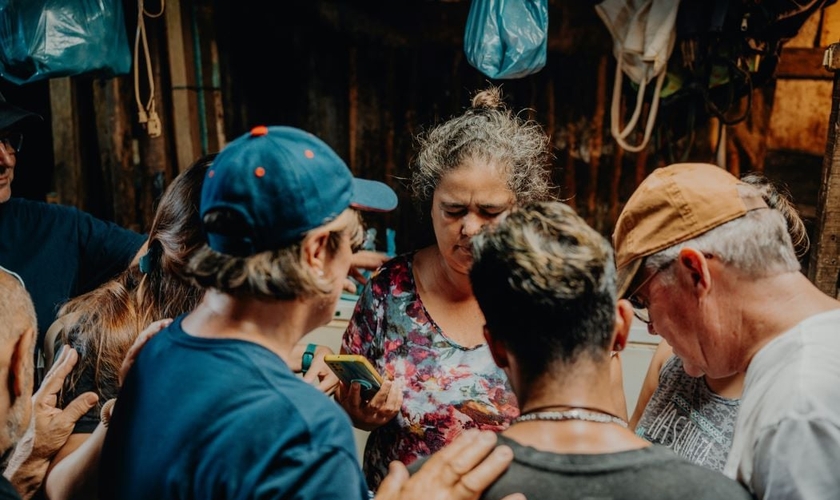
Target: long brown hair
[[102, 324]]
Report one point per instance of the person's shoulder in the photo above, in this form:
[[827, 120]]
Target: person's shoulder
[[397, 268], [396, 263], [297, 412], [62, 218], [672, 367], [41, 221], [701, 481], [25, 206]]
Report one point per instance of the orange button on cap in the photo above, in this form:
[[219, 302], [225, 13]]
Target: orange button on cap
[[259, 130]]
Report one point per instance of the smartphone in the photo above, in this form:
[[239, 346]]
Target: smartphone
[[351, 368]]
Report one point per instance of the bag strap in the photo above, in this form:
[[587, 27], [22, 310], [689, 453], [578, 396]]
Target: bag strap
[[620, 135]]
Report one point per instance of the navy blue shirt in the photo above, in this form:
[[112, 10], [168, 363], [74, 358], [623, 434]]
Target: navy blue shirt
[[7, 491], [201, 418], [61, 252]]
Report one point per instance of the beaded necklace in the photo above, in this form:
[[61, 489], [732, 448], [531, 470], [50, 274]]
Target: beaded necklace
[[573, 413]]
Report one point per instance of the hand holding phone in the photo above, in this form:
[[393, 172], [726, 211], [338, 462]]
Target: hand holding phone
[[351, 368]]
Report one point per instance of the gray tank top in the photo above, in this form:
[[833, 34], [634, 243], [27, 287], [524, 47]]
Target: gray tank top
[[686, 416]]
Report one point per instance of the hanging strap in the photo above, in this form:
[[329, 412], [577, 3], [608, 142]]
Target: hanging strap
[[617, 132], [147, 112]]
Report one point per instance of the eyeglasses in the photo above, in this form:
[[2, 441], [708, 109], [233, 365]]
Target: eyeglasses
[[12, 142], [640, 309]]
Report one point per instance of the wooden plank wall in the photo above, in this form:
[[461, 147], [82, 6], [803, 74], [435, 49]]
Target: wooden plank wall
[[368, 93], [106, 161], [367, 78]]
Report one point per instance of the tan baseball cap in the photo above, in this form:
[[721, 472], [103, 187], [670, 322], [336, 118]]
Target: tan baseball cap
[[675, 204]]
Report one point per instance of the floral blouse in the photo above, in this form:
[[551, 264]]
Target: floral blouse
[[448, 388]]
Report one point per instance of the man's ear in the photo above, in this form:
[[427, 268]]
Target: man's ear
[[696, 266], [623, 321], [314, 249], [497, 349], [21, 367]]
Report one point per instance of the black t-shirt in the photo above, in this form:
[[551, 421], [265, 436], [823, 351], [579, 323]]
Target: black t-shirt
[[61, 252], [85, 383], [652, 473]]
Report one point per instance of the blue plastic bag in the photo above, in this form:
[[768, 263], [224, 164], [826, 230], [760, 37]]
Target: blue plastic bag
[[42, 39], [507, 38]]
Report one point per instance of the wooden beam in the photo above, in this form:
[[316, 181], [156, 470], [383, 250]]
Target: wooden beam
[[113, 126], [217, 138], [69, 177], [156, 163], [824, 267], [187, 145], [209, 102], [803, 63]]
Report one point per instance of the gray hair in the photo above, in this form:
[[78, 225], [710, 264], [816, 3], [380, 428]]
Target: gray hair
[[491, 132], [778, 198], [759, 243]]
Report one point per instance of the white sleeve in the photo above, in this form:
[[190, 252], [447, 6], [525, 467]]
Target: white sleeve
[[797, 459]]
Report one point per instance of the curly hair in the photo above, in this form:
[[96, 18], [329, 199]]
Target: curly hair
[[491, 132]]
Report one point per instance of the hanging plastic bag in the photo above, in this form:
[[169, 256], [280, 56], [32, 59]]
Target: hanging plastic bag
[[41, 39], [643, 34], [507, 38]]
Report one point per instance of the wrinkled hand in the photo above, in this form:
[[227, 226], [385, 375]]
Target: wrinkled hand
[[381, 408], [54, 425], [319, 374], [363, 259], [131, 356], [49, 429], [460, 471]]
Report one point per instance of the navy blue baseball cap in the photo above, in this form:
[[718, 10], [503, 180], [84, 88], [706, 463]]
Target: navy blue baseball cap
[[282, 182], [12, 116]]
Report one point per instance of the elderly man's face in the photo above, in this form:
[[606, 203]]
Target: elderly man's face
[[18, 395], [8, 160], [693, 319]]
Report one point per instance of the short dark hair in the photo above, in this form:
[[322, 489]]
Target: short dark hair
[[545, 282]]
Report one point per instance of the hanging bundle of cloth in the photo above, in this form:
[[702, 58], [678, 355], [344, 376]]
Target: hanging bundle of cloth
[[643, 34]]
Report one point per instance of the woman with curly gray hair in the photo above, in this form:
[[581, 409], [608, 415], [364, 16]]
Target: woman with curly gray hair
[[417, 319]]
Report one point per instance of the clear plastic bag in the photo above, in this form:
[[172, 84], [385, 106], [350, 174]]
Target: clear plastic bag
[[507, 38], [41, 39]]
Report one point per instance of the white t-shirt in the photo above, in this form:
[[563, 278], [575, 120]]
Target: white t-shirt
[[787, 438]]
